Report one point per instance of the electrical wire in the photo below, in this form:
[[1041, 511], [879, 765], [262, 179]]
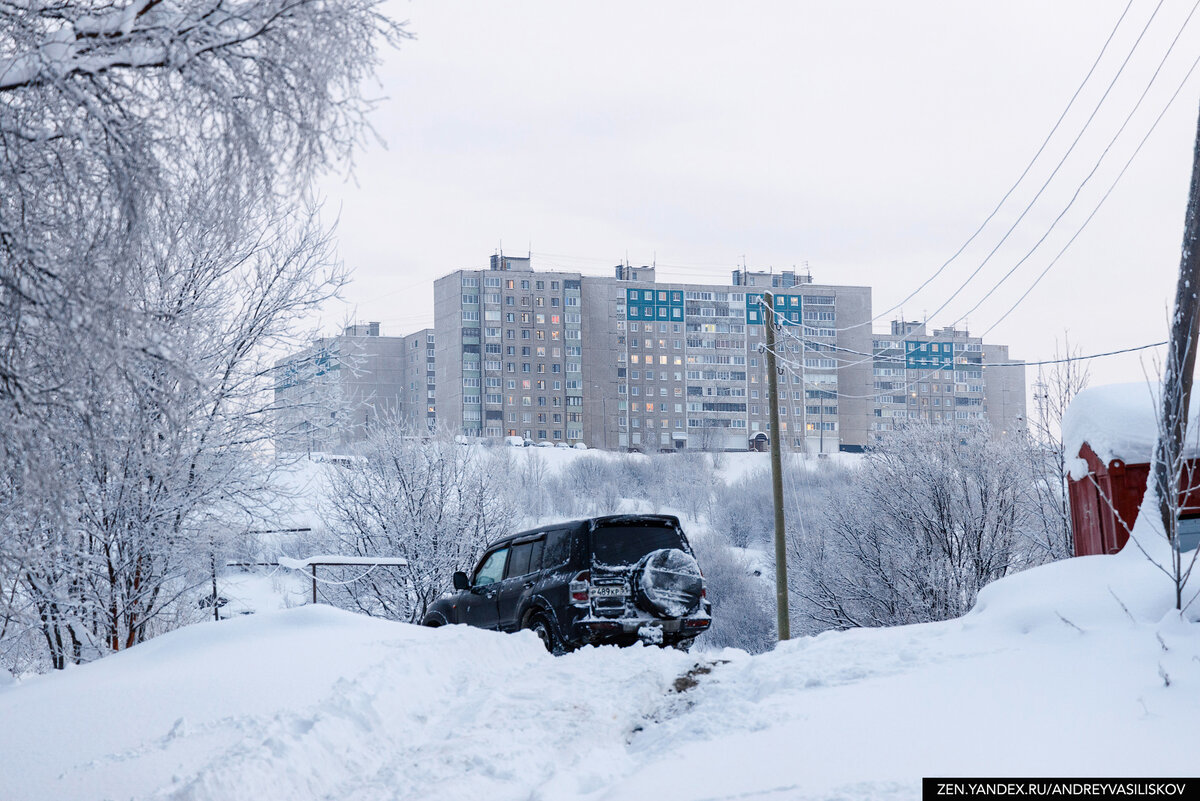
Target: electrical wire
[[1113, 186], [1066, 155], [1064, 360], [1057, 257], [1086, 180], [1029, 166], [907, 384]]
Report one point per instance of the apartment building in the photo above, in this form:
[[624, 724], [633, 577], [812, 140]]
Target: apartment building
[[630, 362], [418, 398], [509, 351], [626, 362], [946, 376], [332, 392], [670, 366]]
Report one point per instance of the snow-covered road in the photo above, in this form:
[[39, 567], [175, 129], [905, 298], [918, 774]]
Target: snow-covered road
[[1050, 676]]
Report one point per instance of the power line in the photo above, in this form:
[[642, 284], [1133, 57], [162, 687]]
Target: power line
[[1113, 186], [1029, 166], [906, 384], [1086, 180], [1062, 161], [1064, 360], [1074, 197]]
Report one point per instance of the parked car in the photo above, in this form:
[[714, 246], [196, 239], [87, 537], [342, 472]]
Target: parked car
[[545, 444], [619, 579], [561, 445], [515, 442]]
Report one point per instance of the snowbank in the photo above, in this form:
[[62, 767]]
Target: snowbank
[[1075, 668]]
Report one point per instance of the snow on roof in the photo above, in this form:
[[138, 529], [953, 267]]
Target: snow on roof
[[1118, 421]]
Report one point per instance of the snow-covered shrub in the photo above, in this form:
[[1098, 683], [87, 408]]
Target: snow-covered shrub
[[744, 511], [930, 518], [742, 597], [429, 501]]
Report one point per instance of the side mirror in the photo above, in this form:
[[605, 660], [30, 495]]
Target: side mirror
[[460, 580]]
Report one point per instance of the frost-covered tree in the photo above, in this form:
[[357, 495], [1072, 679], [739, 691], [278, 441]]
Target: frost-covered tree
[[153, 250], [139, 482], [1053, 393], [106, 108], [430, 501], [930, 518], [742, 599]]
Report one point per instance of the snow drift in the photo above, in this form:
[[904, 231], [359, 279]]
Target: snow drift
[[1075, 668]]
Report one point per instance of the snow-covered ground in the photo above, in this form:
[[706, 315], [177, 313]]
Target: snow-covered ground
[[1076, 668]]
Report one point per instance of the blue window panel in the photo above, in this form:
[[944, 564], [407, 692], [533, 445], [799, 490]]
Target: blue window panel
[[677, 297], [676, 314], [634, 311], [631, 295], [647, 295], [752, 316], [662, 297], [795, 317], [662, 313]]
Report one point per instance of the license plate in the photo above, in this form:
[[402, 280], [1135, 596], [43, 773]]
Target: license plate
[[608, 592]]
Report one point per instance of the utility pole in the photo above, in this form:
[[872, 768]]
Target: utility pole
[[1181, 359], [781, 591]]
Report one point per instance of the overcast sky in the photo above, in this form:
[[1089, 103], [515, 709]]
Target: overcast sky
[[863, 141]]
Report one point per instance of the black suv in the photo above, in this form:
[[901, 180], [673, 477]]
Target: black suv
[[619, 579]]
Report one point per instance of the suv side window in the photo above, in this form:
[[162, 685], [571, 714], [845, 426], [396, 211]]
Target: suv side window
[[491, 569], [518, 563], [558, 548]]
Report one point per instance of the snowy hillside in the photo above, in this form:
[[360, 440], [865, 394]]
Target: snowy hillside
[[1061, 670]]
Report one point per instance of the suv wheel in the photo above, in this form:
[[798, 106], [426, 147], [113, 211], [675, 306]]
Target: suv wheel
[[541, 627]]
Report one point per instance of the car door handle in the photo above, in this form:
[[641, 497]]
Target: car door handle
[[528, 584]]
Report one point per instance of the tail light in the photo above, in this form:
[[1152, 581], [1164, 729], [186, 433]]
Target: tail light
[[579, 587]]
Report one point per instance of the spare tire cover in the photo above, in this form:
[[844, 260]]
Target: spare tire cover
[[668, 583]]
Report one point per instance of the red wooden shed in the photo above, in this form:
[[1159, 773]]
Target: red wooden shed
[[1109, 434]]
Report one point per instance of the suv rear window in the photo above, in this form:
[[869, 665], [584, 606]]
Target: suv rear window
[[624, 545], [558, 548]]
